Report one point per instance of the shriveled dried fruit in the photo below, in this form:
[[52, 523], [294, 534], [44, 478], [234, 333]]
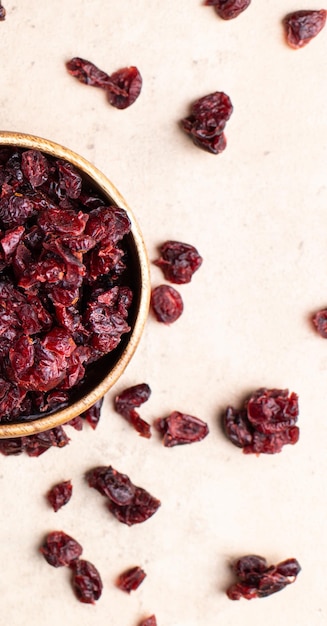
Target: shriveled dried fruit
[[180, 428], [207, 121], [228, 9], [320, 322], [130, 579], [302, 26], [167, 304], [123, 87], [266, 423], [129, 503], [258, 580], [126, 402], [59, 549], [86, 581], [149, 621], [60, 494], [178, 261], [63, 301], [2, 12], [112, 484]]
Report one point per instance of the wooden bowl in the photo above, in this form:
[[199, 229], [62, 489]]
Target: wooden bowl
[[107, 371]]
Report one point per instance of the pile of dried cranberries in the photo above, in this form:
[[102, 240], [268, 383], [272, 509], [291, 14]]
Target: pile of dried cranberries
[[65, 289]]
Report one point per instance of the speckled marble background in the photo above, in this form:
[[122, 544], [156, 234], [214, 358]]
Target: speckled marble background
[[257, 214]]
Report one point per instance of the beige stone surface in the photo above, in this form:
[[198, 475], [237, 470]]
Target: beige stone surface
[[257, 214]]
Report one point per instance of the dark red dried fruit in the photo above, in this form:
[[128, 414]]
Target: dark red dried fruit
[[63, 301], [60, 494], [207, 121], [129, 82], [127, 502], [149, 621], [123, 86], [2, 13], [35, 445], [86, 581], [266, 423], [178, 261], [302, 26], [142, 506], [92, 415], [258, 580], [112, 484], [167, 304], [180, 428], [320, 322], [60, 549], [126, 402], [131, 579], [228, 9]]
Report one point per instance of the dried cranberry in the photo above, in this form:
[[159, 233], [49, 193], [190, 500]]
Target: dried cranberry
[[92, 415], [167, 304], [178, 261], [320, 322], [302, 26], [127, 502], [258, 580], [180, 428], [60, 494], [207, 121], [142, 506], [2, 13], [112, 484], [131, 579], [126, 402], [129, 82], [266, 423], [35, 167], [60, 549], [228, 9], [149, 621], [123, 86], [86, 581]]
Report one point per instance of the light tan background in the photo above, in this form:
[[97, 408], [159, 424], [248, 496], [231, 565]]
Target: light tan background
[[257, 214]]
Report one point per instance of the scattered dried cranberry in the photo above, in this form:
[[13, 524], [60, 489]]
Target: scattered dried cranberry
[[149, 621], [129, 82], [65, 290], [92, 415], [302, 26], [320, 322], [258, 580], [123, 86], [126, 402], [207, 121], [60, 494], [131, 579], [60, 549], [167, 304], [178, 261], [127, 502], [142, 506], [112, 484], [228, 9], [34, 445], [86, 581], [180, 428], [2, 13], [266, 423]]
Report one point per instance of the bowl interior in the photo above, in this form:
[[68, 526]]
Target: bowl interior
[[102, 374]]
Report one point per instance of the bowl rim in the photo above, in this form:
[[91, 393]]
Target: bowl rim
[[62, 416]]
